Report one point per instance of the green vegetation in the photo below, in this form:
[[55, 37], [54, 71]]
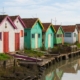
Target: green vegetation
[[33, 53], [67, 44], [4, 56], [59, 49], [78, 45], [42, 48]]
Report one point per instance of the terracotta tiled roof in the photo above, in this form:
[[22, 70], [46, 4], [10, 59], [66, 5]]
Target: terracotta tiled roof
[[13, 17], [29, 22], [56, 27], [46, 25], [69, 28], [2, 17]]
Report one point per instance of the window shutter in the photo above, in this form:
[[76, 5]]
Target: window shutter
[[21, 33]]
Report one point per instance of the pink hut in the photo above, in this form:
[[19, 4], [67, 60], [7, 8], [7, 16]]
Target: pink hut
[[19, 32], [7, 37]]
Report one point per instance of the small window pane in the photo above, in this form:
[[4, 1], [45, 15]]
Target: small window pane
[[25, 34], [38, 35], [33, 35], [67, 34], [57, 35]]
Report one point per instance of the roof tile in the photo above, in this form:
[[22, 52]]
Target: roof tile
[[29, 22], [69, 28], [46, 25]]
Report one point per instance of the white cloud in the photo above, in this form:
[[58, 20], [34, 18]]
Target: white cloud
[[65, 12]]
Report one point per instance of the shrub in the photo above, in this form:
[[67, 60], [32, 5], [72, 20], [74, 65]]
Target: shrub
[[42, 48]]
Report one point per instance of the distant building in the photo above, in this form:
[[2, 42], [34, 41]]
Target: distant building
[[48, 35], [59, 35], [70, 33]]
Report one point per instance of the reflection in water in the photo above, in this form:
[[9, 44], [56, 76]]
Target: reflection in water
[[65, 70]]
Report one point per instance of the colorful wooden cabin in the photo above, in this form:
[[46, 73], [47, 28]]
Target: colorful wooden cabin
[[59, 35], [7, 37], [19, 32], [48, 35], [32, 33], [70, 33]]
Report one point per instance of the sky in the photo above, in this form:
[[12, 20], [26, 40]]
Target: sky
[[67, 76], [62, 12]]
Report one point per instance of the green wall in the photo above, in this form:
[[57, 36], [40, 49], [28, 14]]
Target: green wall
[[49, 31], [29, 42], [27, 38], [58, 40], [36, 29]]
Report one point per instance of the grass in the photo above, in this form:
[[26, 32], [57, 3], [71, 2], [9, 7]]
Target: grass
[[33, 53], [78, 45], [4, 56], [67, 44]]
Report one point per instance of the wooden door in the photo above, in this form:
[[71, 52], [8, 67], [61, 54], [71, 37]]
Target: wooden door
[[49, 40], [6, 42], [36, 40], [79, 36], [17, 41]]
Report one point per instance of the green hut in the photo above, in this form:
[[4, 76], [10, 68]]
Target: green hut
[[32, 33], [48, 35], [59, 35]]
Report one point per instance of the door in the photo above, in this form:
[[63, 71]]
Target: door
[[62, 38], [6, 42], [79, 37], [17, 41], [49, 40], [36, 40]]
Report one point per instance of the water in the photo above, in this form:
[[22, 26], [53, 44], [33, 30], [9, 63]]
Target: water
[[64, 70]]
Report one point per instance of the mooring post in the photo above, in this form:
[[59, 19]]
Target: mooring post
[[67, 57]]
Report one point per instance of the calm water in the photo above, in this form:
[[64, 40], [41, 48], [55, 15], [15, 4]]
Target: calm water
[[64, 70]]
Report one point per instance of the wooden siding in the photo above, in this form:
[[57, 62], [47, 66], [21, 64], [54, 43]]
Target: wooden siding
[[29, 42], [37, 29], [58, 40], [27, 38], [49, 31]]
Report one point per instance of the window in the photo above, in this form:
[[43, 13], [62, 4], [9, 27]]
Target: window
[[21, 33], [25, 34], [5, 25], [74, 34], [59, 35], [67, 34], [33, 35], [17, 21], [38, 35], [0, 36]]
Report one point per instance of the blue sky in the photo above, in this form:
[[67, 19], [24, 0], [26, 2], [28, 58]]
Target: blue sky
[[65, 11]]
